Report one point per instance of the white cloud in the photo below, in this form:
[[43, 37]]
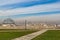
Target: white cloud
[[32, 9], [5, 2]]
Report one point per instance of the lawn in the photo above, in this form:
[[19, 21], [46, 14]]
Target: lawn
[[49, 35], [11, 34]]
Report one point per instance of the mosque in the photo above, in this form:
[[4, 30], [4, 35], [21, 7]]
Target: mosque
[[8, 22]]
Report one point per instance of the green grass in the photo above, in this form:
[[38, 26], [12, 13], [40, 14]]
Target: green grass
[[11, 34], [49, 35]]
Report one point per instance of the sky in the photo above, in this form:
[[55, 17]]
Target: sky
[[33, 10]]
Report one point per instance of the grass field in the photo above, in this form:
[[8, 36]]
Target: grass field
[[11, 34], [49, 35]]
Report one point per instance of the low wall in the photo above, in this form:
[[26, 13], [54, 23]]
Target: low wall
[[26, 27]]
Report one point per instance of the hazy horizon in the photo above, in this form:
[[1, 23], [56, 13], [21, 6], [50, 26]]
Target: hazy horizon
[[46, 11]]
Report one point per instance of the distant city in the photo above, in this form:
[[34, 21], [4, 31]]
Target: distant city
[[9, 23]]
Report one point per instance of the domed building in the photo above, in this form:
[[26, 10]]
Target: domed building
[[8, 22]]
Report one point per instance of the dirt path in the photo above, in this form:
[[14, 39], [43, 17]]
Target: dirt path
[[31, 36]]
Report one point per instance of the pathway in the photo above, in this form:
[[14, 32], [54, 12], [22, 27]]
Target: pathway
[[31, 36]]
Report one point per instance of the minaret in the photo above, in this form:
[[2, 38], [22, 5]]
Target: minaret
[[25, 24], [55, 26]]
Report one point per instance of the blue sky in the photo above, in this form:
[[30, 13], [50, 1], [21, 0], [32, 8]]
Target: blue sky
[[27, 4], [30, 9]]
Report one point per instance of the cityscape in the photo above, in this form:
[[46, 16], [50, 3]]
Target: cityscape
[[29, 19], [11, 24]]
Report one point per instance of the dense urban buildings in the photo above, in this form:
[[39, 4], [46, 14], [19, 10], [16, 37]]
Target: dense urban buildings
[[10, 24]]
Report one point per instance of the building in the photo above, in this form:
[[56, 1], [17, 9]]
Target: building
[[8, 22]]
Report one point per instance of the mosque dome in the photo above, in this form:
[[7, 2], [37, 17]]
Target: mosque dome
[[8, 21]]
